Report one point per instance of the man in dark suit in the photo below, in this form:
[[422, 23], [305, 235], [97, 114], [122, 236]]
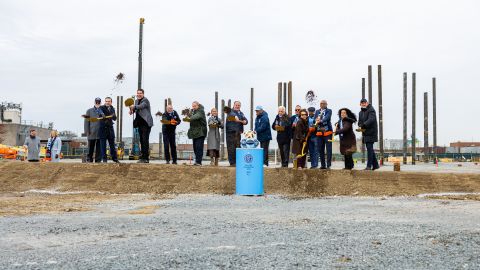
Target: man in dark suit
[[170, 121], [367, 121], [144, 122], [106, 132]]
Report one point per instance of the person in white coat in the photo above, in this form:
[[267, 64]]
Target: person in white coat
[[54, 146]]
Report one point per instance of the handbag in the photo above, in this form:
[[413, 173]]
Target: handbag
[[352, 150]]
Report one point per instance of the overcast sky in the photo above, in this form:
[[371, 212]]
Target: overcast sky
[[57, 56]]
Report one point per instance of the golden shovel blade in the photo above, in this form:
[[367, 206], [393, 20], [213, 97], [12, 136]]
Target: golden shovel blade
[[129, 102]]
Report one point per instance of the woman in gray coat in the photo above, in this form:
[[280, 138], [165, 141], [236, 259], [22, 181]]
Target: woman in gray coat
[[213, 137]]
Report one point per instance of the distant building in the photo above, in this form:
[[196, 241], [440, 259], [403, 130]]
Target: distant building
[[15, 129], [465, 144], [464, 148]]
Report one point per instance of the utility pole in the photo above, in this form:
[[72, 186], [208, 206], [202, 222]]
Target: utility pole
[[380, 113], [222, 135], [140, 46], [279, 94], [251, 108], [426, 152], [370, 90], [290, 95], [414, 113], [434, 97], [404, 118], [136, 139], [363, 145]]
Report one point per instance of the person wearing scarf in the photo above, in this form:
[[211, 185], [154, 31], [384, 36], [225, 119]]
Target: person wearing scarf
[[54, 146]]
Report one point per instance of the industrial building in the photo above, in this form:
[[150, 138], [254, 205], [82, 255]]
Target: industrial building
[[14, 129]]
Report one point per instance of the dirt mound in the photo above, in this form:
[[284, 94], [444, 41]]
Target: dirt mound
[[174, 179]]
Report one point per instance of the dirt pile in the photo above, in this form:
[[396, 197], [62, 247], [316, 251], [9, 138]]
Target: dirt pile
[[181, 179]]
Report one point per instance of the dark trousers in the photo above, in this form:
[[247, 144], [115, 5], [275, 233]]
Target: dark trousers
[[301, 161], [144, 132], [111, 144], [265, 145], [348, 161], [198, 149], [372, 162], [94, 145], [233, 142], [169, 144], [324, 143], [284, 153], [313, 151]]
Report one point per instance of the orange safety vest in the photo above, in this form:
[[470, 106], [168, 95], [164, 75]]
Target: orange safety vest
[[326, 133]]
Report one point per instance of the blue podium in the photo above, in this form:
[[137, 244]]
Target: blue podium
[[249, 171]]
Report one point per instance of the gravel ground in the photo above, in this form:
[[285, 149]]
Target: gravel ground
[[207, 231]]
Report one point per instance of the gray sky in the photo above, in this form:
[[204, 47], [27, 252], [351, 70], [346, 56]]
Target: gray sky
[[57, 56]]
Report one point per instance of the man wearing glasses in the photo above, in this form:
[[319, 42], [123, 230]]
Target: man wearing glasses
[[324, 134]]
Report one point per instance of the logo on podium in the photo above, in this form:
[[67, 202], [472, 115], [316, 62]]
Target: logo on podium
[[248, 158]]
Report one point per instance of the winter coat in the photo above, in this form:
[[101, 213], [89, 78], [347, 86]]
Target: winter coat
[[33, 147], [106, 125], [262, 127], [169, 128], [325, 121], [198, 124], [234, 127], [367, 119], [283, 136], [347, 136], [299, 136], [293, 122], [91, 129], [55, 148], [142, 109], [213, 137]]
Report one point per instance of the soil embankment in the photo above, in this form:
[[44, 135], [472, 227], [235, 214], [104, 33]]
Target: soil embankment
[[182, 179]]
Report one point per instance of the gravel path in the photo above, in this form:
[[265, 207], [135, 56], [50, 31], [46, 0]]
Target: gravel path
[[207, 231]]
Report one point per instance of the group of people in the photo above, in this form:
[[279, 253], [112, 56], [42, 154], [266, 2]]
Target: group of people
[[308, 131], [33, 145], [98, 128]]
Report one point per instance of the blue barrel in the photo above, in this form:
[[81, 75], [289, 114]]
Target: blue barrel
[[249, 171]]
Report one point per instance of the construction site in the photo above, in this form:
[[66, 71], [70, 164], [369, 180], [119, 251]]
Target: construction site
[[418, 209], [74, 215]]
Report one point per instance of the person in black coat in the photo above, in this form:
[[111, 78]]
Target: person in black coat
[[106, 132], [170, 121], [283, 126], [367, 121], [348, 141]]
